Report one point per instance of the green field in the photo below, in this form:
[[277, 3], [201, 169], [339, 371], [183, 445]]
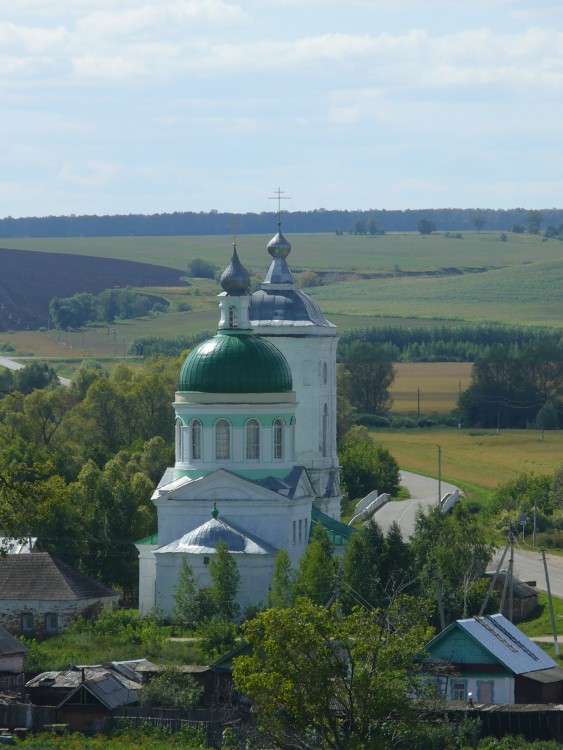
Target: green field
[[477, 278], [317, 252], [530, 294]]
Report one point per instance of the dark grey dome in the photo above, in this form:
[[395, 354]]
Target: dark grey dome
[[235, 279], [278, 246], [285, 307]]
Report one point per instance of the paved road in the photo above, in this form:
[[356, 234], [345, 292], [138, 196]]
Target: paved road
[[423, 493], [10, 364], [528, 566]]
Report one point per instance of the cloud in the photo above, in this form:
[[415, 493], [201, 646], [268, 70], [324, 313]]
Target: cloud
[[91, 174]]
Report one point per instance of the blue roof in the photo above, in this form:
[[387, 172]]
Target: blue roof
[[504, 642]]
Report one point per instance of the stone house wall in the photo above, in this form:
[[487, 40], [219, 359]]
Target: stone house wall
[[12, 611]]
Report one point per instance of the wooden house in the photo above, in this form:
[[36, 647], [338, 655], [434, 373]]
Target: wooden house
[[12, 663], [488, 660]]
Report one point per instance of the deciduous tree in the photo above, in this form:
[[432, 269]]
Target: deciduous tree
[[366, 466], [371, 374], [320, 679]]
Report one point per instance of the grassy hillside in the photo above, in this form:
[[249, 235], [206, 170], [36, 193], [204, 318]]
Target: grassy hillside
[[525, 294], [396, 278], [317, 252]]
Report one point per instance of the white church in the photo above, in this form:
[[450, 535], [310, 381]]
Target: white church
[[256, 463]]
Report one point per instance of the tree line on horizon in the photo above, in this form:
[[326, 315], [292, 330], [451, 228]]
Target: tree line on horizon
[[319, 220]]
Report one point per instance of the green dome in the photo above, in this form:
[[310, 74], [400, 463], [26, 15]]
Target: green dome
[[235, 363]]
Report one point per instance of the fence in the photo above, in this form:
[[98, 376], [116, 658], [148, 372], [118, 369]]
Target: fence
[[211, 721]]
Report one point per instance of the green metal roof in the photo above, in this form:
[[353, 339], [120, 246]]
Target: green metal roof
[[339, 533], [153, 539], [235, 362]]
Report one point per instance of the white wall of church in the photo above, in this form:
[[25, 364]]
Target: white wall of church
[[255, 572], [277, 522]]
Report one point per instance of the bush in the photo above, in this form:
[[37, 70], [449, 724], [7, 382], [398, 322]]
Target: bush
[[171, 689], [217, 637], [373, 420], [201, 269]]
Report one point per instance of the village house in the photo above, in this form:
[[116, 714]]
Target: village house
[[488, 660], [40, 596]]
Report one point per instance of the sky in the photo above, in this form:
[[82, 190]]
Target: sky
[[156, 106]]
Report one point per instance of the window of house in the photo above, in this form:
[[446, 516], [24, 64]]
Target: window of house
[[459, 691], [196, 439], [51, 622], [294, 531], [325, 373], [179, 441], [27, 623], [300, 531], [253, 440], [293, 438], [223, 440], [278, 439], [233, 317], [206, 561]]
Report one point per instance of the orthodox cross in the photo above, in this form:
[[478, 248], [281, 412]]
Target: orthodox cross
[[279, 197]]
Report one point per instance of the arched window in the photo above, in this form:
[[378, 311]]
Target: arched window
[[293, 438], [325, 373], [223, 440], [196, 439], [278, 439], [233, 317], [179, 441], [252, 440], [325, 430]]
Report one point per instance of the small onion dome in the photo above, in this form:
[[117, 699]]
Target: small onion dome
[[235, 363], [235, 279], [278, 246]]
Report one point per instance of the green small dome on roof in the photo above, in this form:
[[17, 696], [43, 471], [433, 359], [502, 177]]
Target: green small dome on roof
[[235, 363]]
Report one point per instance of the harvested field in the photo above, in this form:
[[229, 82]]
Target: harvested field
[[477, 457], [439, 383]]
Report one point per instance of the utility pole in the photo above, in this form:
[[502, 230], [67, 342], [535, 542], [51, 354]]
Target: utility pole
[[439, 599], [555, 644], [439, 474], [511, 582], [494, 580]]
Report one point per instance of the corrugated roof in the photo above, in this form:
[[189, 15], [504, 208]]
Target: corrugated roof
[[107, 689], [69, 679], [42, 577], [9, 644], [555, 674], [508, 644]]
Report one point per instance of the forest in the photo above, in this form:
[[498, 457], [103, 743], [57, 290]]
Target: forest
[[320, 220]]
